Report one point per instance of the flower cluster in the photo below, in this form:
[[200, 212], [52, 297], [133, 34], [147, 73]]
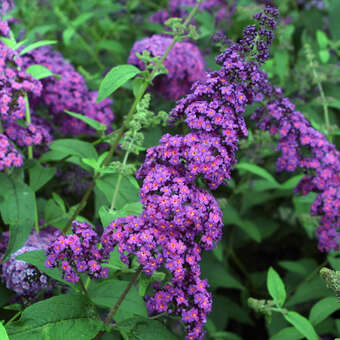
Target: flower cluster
[[184, 63], [70, 93], [26, 280], [179, 218], [77, 253], [5, 6], [220, 9], [9, 156], [15, 84], [75, 180], [302, 146]]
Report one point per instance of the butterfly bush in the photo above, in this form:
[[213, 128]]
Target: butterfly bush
[[185, 64], [14, 85], [70, 92], [180, 219], [301, 146], [23, 278], [77, 253]]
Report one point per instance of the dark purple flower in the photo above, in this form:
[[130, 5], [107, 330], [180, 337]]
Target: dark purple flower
[[23, 278], [70, 92], [184, 63]]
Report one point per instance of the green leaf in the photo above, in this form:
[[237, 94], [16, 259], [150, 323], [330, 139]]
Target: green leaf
[[17, 204], [225, 335], [262, 185], [89, 121], [287, 333], [74, 147], [107, 215], [307, 291], [115, 79], [235, 311], [334, 22], [68, 34], [302, 325], [9, 42], [232, 216], [302, 203], [291, 183], [37, 258], [59, 201], [143, 283], [255, 169], [107, 293], [276, 287], [5, 295], [322, 39], [251, 229], [137, 85], [92, 163], [39, 71], [36, 45], [322, 309], [281, 64], [115, 263], [324, 56], [217, 274], [65, 316], [54, 215], [302, 266], [110, 45], [40, 175], [139, 328], [128, 191], [3, 333], [82, 18]]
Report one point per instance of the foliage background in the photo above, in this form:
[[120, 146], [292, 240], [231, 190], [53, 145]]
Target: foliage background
[[265, 224]]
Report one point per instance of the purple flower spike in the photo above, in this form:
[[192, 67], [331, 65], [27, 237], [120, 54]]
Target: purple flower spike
[[179, 220]]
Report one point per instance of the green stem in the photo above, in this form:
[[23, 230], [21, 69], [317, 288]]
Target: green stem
[[321, 91], [237, 261], [28, 121], [66, 21], [83, 287], [120, 176], [30, 156], [16, 315], [124, 127], [115, 308]]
